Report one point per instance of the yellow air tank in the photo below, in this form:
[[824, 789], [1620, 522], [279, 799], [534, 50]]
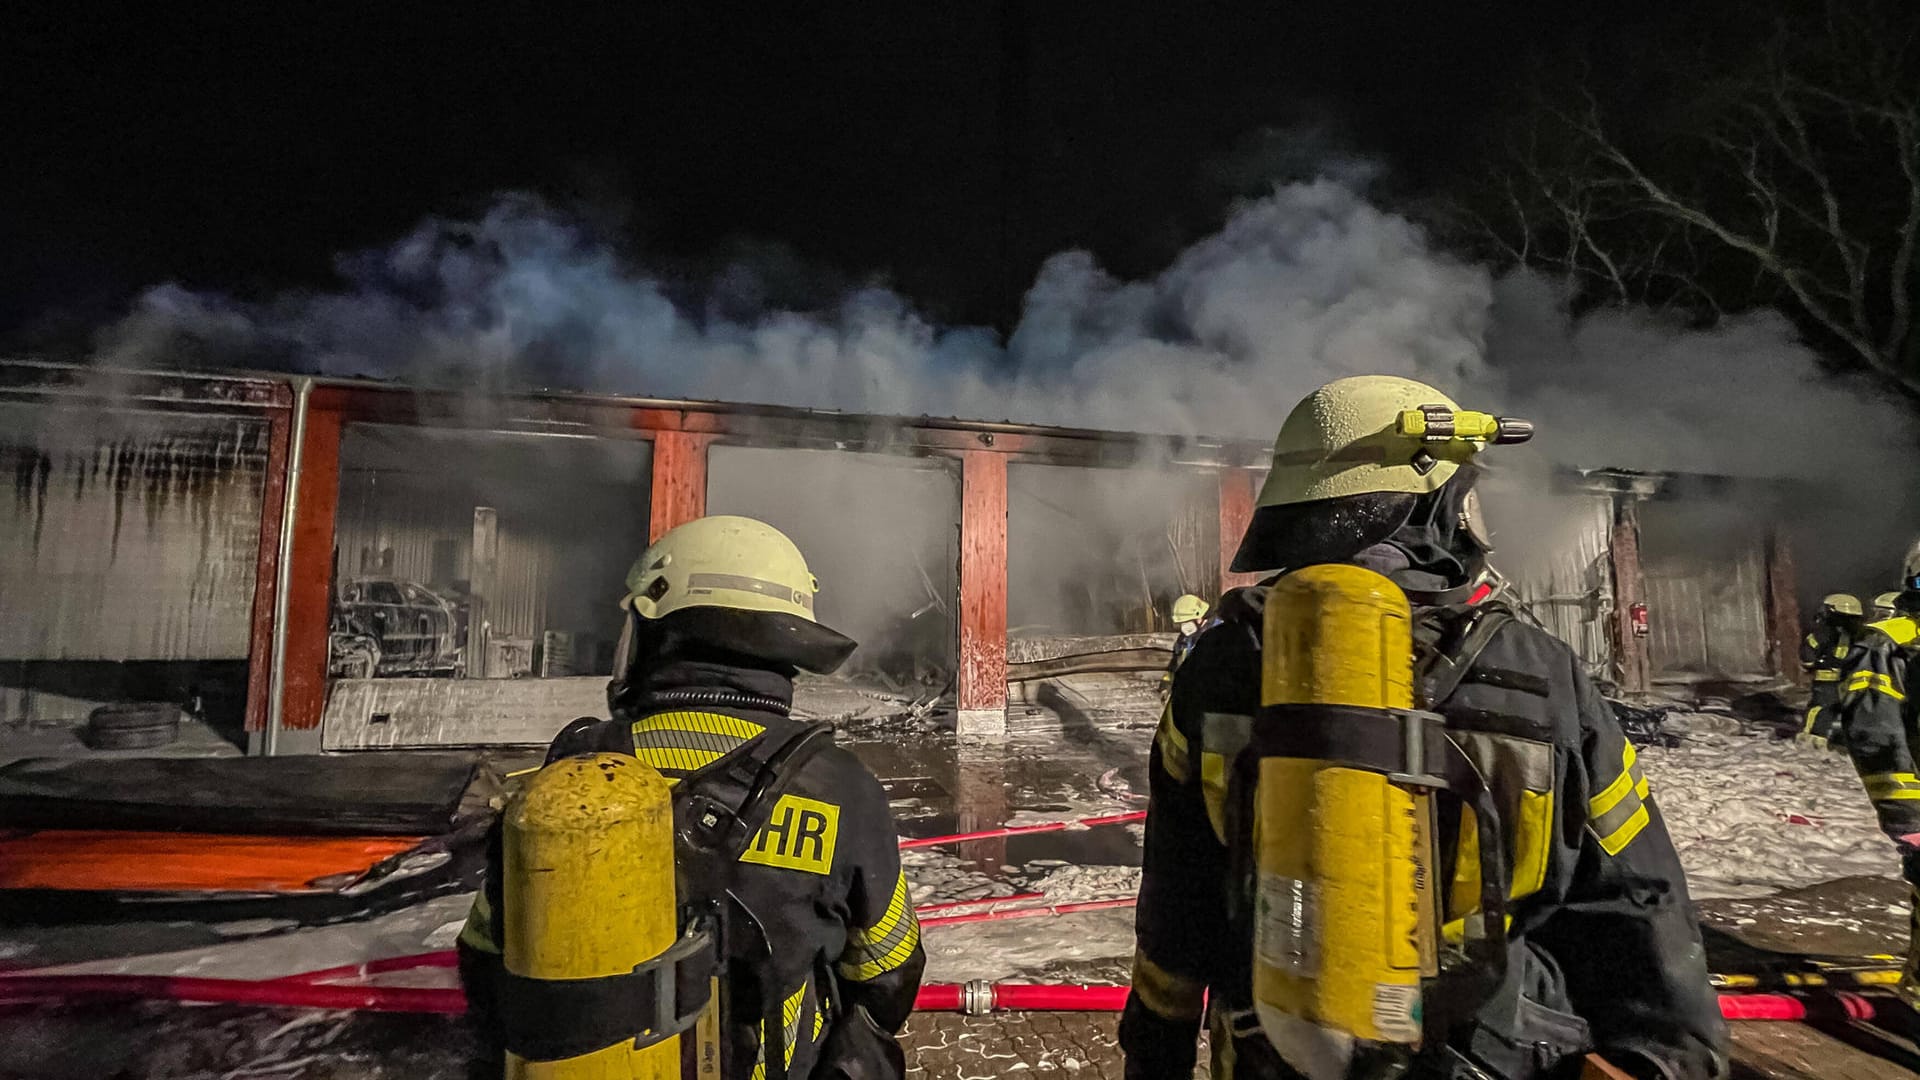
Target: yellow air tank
[[587, 857], [1343, 914]]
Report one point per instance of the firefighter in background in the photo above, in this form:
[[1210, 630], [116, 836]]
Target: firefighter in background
[[1604, 951], [1189, 615], [1877, 718], [1883, 605], [719, 620], [1823, 654]]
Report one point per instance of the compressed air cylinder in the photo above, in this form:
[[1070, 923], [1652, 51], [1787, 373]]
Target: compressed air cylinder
[[1344, 922], [589, 891]]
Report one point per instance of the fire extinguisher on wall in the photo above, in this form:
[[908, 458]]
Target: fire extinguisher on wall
[[1638, 614]]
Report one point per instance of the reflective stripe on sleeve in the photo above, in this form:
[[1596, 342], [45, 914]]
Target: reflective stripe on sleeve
[[1173, 997], [1174, 756], [1618, 813], [1878, 682], [889, 943]]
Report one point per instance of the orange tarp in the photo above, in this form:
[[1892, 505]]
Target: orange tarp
[[186, 862]]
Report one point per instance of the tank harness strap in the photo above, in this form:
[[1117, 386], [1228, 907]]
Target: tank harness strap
[[1444, 659], [554, 1019], [717, 813]]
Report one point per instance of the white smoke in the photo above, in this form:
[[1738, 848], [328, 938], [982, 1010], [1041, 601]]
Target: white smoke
[[1310, 283]]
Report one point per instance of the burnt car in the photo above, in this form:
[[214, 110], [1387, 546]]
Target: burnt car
[[386, 626]]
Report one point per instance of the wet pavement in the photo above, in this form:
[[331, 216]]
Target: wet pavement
[[1072, 752]]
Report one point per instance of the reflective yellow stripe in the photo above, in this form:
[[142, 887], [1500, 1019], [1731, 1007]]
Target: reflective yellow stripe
[[1173, 747], [1619, 812], [1882, 787], [1165, 994], [1878, 682], [1812, 642], [674, 759], [1616, 841], [1812, 715], [1621, 786], [790, 1018], [874, 951], [706, 723], [1826, 675]]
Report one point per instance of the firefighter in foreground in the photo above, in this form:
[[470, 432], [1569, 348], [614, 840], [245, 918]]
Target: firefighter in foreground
[[824, 952], [1591, 943], [1877, 720], [1822, 655], [1189, 615]]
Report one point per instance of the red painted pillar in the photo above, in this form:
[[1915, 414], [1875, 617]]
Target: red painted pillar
[[679, 480], [1783, 608], [1236, 513], [1629, 588], [983, 593], [309, 600], [266, 571]]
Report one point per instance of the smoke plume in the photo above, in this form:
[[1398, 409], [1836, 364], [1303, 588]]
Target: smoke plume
[[1309, 283]]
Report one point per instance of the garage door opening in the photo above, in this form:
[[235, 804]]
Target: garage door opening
[[1100, 551], [482, 555], [880, 532]]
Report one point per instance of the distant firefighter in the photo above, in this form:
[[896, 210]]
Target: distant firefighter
[[1823, 654], [1877, 716], [1190, 615], [1883, 605]]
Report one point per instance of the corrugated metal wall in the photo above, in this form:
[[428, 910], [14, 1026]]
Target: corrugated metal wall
[[1706, 596], [129, 535], [1554, 549]]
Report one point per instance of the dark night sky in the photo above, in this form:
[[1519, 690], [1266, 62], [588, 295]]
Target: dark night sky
[[891, 140]]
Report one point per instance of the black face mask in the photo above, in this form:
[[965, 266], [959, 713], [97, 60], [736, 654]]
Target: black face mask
[[1427, 529]]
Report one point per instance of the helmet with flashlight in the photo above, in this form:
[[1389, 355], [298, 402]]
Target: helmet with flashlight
[[732, 584], [1354, 460]]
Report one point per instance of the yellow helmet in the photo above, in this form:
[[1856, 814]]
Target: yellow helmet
[[1366, 435], [1189, 608], [737, 583], [1884, 602], [727, 562], [1842, 603]]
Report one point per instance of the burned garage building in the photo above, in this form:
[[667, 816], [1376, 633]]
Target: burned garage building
[[280, 565]]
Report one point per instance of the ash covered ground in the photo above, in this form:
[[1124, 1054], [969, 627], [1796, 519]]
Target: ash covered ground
[[1778, 840]]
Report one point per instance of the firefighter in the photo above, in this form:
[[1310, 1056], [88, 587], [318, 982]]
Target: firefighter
[[1877, 717], [1883, 605], [719, 619], [1603, 949], [1822, 655], [1189, 614]]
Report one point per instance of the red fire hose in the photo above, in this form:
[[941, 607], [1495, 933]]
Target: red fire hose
[[299, 991], [1022, 830], [278, 993]]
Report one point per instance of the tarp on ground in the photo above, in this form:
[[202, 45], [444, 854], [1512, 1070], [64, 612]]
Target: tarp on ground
[[346, 795]]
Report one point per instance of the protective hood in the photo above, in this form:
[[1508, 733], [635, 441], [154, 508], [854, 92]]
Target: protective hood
[[1426, 529]]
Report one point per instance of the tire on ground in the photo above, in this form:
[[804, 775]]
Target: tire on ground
[[133, 726]]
